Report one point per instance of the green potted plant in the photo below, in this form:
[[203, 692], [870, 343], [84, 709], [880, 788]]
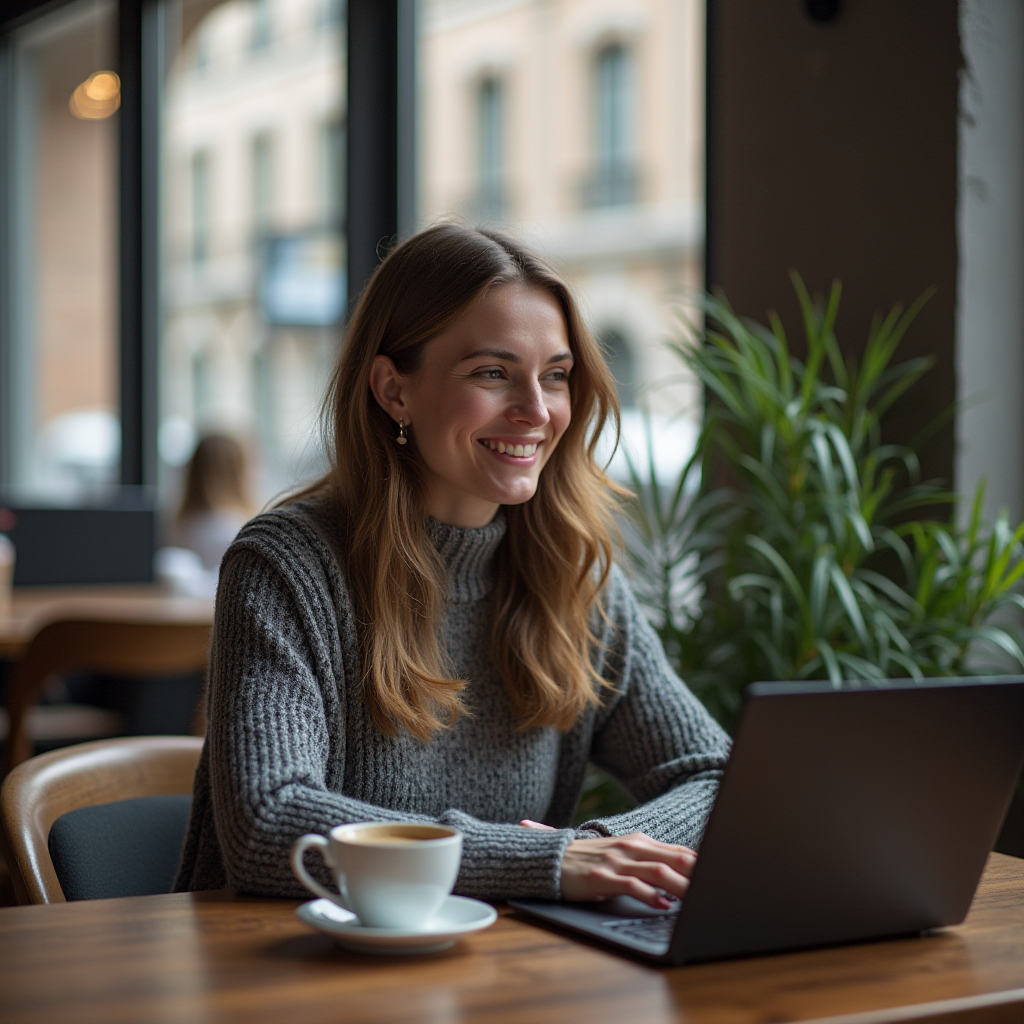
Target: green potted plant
[[789, 548]]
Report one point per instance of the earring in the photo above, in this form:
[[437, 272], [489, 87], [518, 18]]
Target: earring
[[401, 439]]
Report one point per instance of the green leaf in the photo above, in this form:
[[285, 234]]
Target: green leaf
[[835, 673], [849, 599], [784, 571]]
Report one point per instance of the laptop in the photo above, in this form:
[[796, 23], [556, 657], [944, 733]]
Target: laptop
[[846, 813]]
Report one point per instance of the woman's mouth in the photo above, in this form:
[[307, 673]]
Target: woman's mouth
[[513, 450]]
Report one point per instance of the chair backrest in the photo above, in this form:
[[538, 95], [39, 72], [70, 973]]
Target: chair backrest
[[43, 788], [140, 648]]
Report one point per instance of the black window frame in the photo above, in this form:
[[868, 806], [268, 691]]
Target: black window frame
[[379, 187]]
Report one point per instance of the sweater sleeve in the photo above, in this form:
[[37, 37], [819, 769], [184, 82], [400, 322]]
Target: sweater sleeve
[[654, 736], [276, 769]]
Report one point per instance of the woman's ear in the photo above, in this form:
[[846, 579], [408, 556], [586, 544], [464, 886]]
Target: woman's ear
[[388, 387]]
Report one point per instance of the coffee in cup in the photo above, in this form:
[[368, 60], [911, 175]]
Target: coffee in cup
[[389, 874]]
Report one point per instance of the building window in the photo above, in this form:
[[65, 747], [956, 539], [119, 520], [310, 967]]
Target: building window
[[330, 13], [265, 206], [614, 180], [262, 185], [200, 207], [490, 119], [201, 54], [619, 355], [332, 174], [261, 25], [202, 387]]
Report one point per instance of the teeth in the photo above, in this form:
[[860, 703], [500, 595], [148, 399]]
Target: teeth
[[519, 450]]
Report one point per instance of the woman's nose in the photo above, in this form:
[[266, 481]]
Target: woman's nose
[[529, 406]]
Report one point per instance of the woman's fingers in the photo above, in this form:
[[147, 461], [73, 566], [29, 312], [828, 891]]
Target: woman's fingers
[[612, 884], [634, 865], [639, 847], [657, 875]]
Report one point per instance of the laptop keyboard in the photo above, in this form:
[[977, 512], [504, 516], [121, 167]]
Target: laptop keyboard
[[652, 930]]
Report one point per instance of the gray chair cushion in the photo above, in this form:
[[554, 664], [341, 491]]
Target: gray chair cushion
[[127, 848]]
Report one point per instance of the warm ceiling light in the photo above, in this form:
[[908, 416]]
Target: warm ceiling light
[[97, 97]]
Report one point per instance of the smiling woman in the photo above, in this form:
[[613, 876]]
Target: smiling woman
[[488, 405], [435, 631]]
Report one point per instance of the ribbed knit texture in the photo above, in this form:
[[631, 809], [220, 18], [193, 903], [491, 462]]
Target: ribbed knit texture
[[291, 747]]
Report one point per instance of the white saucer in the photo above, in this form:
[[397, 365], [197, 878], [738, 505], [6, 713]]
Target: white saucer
[[458, 916]]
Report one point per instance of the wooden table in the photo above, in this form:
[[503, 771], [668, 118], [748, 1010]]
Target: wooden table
[[220, 957], [32, 607]]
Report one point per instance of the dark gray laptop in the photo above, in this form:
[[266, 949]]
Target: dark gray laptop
[[845, 813]]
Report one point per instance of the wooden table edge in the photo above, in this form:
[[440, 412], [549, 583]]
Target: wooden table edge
[[940, 1010]]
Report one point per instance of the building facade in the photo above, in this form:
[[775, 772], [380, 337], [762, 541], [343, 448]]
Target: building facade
[[575, 125]]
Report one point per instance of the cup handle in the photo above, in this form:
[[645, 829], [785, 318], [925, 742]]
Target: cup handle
[[299, 848]]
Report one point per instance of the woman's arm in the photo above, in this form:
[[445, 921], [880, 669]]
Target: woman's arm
[[660, 742], [277, 769], [654, 736]]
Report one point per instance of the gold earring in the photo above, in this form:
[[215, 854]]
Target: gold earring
[[401, 439]]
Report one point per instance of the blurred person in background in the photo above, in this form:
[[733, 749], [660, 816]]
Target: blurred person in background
[[215, 504], [216, 501]]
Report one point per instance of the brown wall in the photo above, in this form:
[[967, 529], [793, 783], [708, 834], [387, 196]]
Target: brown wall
[[832, 149]]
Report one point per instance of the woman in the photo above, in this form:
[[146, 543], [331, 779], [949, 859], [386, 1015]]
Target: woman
[[216, 501], [435, 631]]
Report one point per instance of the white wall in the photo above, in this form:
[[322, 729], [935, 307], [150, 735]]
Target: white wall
[[990, 314]]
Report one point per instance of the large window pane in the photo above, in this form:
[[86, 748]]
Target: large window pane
[[579, 127], [60, 401], [252, 228]]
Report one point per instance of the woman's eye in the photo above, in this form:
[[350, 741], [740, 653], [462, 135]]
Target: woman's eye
[[559, 376], [492, 374]]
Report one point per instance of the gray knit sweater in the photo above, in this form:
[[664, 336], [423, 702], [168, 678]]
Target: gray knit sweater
[[291, 747]]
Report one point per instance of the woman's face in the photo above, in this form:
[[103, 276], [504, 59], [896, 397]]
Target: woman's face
[[488, 405]]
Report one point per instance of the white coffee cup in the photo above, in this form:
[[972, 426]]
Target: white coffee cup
[[389, 874]]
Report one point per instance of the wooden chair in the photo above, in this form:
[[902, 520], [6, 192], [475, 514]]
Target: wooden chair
[[43, 788], [131, 648]]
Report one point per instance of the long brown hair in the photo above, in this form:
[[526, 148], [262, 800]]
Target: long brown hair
[[555, 557], [215, 478]]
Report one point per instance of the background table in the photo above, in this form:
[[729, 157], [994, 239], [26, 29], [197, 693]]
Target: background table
[[33, 607], [220, 957]]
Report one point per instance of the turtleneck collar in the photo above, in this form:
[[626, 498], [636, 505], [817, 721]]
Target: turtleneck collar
[[468, 555]]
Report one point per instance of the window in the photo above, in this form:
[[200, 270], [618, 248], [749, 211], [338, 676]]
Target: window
[[330, 13], [490, 112], [200, 207], [201, 390], [620, 359], [332, 174], [262, 185], [201, 54], [614, 180], [261, 25], [247, 344], [59, 394]]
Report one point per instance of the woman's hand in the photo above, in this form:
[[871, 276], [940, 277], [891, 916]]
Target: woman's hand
[[633, 865]]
